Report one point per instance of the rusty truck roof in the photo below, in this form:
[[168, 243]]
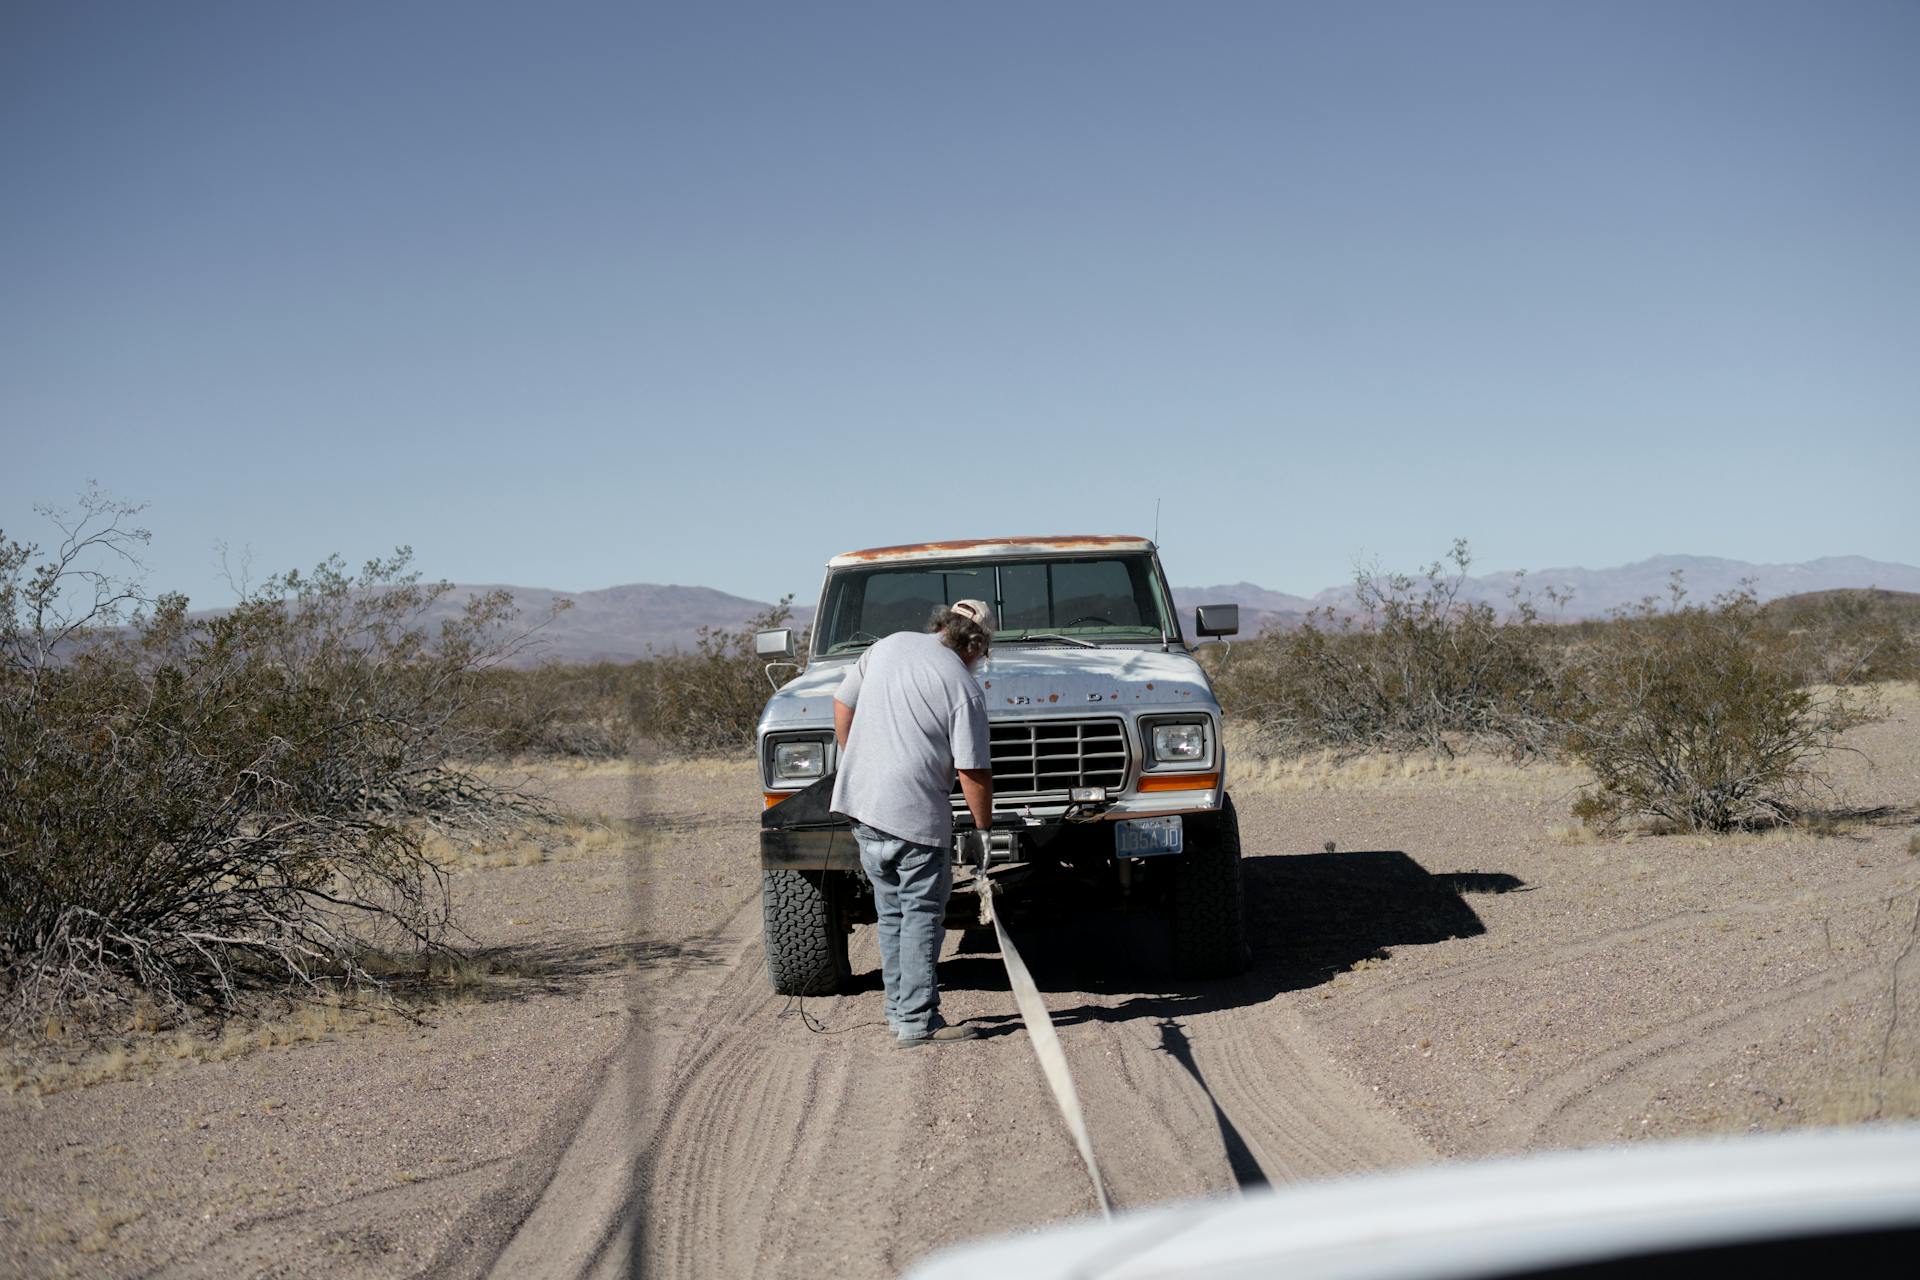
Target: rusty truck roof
[[975, 548]]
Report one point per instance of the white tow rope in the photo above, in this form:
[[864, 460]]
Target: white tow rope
[[1046, 1041]]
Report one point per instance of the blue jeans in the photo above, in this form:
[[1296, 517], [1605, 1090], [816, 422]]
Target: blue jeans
[[911, 883]]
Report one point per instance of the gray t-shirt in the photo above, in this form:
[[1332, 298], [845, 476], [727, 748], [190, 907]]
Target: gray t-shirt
[[918, 716]]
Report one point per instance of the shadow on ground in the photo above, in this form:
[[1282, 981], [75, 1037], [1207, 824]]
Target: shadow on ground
[[1309, 917], [1241, 1161]]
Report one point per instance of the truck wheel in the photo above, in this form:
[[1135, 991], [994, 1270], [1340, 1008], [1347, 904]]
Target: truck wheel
[[804, 916], [1209, 919]]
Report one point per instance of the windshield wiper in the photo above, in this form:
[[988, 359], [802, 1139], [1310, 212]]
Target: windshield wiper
[[1048, 635]]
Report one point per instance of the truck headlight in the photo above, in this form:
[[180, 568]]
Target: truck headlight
[[794, 760], [1180, 743]]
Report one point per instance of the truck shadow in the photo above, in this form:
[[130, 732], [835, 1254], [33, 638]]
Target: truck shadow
[[1309, 917]]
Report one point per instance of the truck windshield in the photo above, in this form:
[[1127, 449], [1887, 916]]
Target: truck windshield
[[1114, 598]]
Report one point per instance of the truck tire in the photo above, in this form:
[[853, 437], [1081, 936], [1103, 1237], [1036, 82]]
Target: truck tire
[[1209, 933], [804, 917]]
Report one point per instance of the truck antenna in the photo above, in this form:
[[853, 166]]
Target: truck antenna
[[1156, 522]]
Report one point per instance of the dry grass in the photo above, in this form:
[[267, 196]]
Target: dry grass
[[580, 768], [1818, 826], [709, 768], [534, 770], [1866, 1100], [534, 767], [468, 855], [566, 842], [66, 1057], [213, 1113], [60, 1061], [1328, 771], [90, 1230], [1893, 696]]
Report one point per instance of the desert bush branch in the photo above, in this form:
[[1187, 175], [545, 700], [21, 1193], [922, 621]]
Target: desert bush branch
[[702, 702], [1409, 666], [200, 806], [1704, 717], [1698, 717]]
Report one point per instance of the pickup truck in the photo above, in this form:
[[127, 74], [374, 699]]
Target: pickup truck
[[1109, 768]]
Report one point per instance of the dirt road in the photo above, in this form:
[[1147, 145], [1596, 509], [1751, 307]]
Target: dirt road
[[777, 1145], [1458, 975]]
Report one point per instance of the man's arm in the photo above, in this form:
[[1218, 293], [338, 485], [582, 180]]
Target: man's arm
[[842, 722], [976, 788], [973, 740]]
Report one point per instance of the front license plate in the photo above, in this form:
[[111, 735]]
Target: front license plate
[[1146, 837]]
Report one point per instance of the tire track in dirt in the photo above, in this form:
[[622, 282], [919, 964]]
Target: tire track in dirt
[[576, 1220], [1302, 1116], [1616, 1082], [1530, 959], [742, 1117], [1638, 1055], [777, 1151], [762, 1149], [1271, 1080], [259, 1245], [742, 1144], [773, 1133]]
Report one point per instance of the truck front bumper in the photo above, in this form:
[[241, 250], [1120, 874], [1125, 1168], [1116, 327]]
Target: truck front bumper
[[804, 849], [833, 848]]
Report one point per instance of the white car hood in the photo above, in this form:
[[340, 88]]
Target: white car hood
[[1483, 1219]]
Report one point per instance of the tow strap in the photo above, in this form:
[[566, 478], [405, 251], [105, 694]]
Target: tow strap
[[1046, 1041], [803, 832]]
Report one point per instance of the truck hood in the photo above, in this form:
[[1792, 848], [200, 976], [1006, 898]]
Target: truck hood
[[1076, 679], [1020, 680]]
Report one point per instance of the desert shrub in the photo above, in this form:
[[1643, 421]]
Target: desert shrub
[[1411, 667], [558, 710], [709, 700], [199, 806], [1698, 717], [703, 701], [1850, 637]]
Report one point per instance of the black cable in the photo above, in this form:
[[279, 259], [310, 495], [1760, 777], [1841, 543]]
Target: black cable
[[798, 1004]]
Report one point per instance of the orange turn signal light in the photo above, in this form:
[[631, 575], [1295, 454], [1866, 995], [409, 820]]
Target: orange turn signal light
[[1179, 781], [775, 797]]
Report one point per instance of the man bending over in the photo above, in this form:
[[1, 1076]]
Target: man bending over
[[920, 717]]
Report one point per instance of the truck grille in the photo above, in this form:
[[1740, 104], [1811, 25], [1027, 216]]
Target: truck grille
[[1036, 757]]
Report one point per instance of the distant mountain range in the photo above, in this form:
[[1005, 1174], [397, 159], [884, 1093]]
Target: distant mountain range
[[619, 624], [1260, 609], [1593, 592]]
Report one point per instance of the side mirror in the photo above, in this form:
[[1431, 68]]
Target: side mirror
[[1217, 620], [773, 644]]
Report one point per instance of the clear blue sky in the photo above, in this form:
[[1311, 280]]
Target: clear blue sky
[[573, 295]]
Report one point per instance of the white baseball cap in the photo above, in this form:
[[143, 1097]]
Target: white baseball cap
[[975, 611]]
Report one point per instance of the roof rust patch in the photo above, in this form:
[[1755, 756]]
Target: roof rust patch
[[1059, 542]]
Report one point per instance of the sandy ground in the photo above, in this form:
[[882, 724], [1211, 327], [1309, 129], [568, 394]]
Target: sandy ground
[[324, 1143], [1458, 975]]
